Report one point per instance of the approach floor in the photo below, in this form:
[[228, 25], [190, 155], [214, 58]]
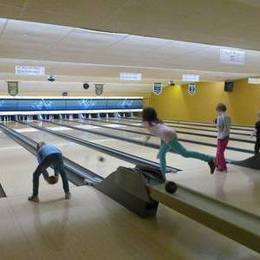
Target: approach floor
[[93, 226]]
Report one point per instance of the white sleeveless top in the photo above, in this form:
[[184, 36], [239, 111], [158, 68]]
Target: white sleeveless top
[[161, 130]]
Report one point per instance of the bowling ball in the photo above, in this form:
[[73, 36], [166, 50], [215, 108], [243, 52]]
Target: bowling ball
[[101, 158], [171, 187], [52, 179]]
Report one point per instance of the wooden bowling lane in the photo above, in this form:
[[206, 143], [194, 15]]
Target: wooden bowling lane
[[186, 133], [137, 150], [210, 140], [195, 173], [236, 133], [59, 229], [200, 130], [206, 140], [246, 141], [183, 127], [235, 155], [190, 123], [90, 137], [246, 128], [92, 226], [82, 155], [192, 169]]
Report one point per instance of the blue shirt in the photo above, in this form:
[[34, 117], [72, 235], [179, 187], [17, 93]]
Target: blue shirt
[[46, 150]]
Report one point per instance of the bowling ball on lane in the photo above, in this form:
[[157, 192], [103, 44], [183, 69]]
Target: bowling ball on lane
[[52, 179], [101, 158], [171, 187]]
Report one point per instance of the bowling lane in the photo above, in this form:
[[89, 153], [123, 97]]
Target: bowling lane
[[191, 123], [238, 183], [141, 151], [187, 131], [80, 154], [90, 213], [211, 139], [17, 166], [185, 127], [92, 226], [136, 150], [234, 155], [246, 128]]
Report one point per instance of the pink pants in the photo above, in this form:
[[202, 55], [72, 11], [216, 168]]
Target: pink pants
[[220, 157]]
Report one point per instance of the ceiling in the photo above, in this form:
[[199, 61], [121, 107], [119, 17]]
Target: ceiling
[[232, 23], [80, 72], [79, 54]]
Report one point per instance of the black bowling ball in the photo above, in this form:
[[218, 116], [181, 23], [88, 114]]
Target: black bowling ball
[[101, 158], [171, 187]]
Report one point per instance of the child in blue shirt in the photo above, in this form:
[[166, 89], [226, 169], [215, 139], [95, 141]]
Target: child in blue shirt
[[49, 155]]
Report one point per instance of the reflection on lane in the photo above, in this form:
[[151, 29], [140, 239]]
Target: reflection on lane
[[234, 155], [80, 154]]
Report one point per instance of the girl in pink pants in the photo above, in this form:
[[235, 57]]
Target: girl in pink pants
[[223, 124]]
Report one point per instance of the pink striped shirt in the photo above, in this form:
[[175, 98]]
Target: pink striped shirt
[[161, 130]]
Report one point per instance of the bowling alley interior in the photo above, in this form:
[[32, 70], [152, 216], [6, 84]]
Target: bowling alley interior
[[130, 130]]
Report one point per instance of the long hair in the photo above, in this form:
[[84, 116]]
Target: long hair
[[150, 115]]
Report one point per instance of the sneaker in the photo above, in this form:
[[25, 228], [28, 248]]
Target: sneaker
[[34, 199], [212, 166], [67, 196]]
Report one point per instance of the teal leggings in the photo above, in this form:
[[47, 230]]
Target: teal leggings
[[176, 147]]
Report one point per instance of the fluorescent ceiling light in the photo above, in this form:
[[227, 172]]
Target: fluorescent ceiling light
[[130, 76], [190, 77], [253, 80], [29, 70], [232, 56]]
